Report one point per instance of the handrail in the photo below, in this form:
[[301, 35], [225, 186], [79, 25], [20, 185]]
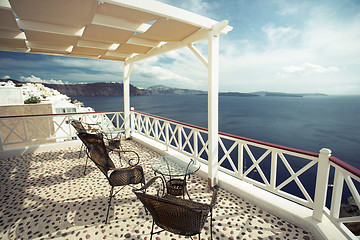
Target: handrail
[[171, 120], [236, 151], [60, 114], [345, 166]]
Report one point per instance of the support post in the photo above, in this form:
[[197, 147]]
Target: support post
[[213, 106], [322, 180], [126, 88]]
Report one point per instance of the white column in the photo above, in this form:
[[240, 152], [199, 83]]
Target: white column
[[213, 106], [126, 88], [322, 180]]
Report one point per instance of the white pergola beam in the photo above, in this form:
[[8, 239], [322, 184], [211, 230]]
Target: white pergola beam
[[199, 55], [196, 37], [201, 35]]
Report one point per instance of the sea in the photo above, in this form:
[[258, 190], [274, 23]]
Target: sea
[[308, 123]]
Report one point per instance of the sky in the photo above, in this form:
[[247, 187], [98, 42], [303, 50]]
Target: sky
[[282, 46]]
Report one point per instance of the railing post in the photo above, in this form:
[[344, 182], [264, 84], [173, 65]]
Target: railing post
[[179, 138], [322, 180], [274, 156], [196, 149], [132, 120], [156, 122], [167, 140], [337, 194], [1, 143]]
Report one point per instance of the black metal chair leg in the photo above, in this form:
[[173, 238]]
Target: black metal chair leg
[[210, 224], [110, 198], [81, 149], [152, 230], [86, 164]]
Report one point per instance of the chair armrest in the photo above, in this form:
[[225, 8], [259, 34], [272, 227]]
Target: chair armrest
[[149, 183], [131, 161]]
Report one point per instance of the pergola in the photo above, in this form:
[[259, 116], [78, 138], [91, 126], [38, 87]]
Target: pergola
[[119, 30]]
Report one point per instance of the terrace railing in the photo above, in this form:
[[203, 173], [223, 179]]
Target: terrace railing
[[320, 182], [38, 129]]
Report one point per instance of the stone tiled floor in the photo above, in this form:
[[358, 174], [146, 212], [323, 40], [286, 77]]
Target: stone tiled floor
[[47, 195]]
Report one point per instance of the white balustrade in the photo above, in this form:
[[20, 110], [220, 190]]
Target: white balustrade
[[238, 152], [252, 161]]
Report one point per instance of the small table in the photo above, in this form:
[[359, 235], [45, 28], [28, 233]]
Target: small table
[[113, 137], [174, 167]]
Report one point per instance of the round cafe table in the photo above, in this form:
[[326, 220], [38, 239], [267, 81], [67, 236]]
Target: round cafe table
[[177, 171]]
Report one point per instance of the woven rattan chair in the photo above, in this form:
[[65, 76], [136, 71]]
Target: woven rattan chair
[[98, 153], [177, 215], [81, 127]]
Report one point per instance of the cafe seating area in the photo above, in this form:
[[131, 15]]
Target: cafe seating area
[[46, 195]]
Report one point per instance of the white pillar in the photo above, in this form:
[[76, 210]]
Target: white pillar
[[322, 180], [126, 88], [213, 107]]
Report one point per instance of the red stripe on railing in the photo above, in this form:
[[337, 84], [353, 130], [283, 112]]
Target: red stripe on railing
[[312, 154], [60, 114], [170, 120], [345, 166]]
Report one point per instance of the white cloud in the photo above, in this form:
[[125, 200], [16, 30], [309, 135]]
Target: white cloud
[[280, 34], [307, 69], [6, 77], [288, 11], [90, 64], [34, 79]]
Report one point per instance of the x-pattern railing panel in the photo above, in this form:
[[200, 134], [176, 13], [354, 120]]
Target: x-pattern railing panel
[[294, 176], [161, 128], [37, 128], [12, 130], [344, 180], [173, 137], [25, 129], [187, 137]]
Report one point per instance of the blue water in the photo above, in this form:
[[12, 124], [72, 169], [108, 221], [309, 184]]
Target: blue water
[[308, 123]]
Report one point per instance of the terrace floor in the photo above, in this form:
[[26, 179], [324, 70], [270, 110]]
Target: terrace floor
[[46, 195]]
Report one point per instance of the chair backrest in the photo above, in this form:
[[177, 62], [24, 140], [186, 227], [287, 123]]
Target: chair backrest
[[78, 126], [97, 151], [176, 215]]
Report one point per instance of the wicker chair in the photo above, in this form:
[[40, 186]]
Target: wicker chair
[[177, 215], [98, 153], [82, 127]]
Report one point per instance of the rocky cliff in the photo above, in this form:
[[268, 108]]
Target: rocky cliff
[[95, 89]]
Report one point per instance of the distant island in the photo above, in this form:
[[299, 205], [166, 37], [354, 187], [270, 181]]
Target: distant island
[[116, 89]]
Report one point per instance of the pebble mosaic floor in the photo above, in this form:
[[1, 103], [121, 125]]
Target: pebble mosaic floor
[[47, 196]]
